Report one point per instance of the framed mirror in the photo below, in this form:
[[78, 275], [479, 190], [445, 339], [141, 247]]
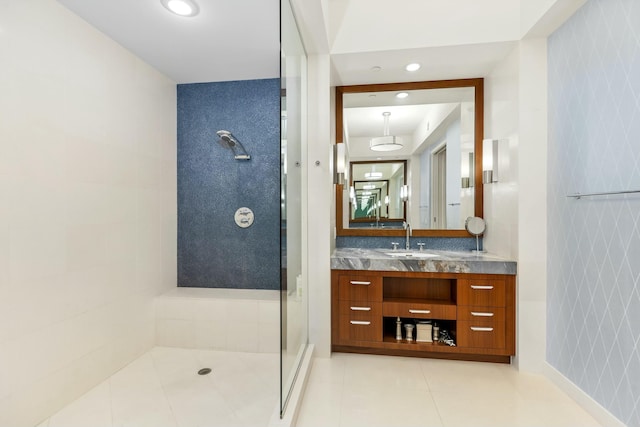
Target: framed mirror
[[434, 129]]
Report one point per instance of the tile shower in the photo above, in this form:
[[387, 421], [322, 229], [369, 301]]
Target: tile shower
[[89, 221]]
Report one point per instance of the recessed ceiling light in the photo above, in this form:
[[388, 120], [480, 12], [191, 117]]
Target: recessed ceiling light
[[402, 95], [412, 67], [376, 68], [186, 8]]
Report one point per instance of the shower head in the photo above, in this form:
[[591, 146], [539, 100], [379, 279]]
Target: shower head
[[227, 140]]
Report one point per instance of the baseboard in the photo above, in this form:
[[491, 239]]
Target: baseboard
[[295, 400], [597, 411]]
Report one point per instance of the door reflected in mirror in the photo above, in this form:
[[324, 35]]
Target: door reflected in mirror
[[434, 132]]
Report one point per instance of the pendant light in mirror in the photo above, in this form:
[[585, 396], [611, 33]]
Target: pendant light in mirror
[[386, 142]]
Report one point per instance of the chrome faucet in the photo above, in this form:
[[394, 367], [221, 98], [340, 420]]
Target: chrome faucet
[[407, 227]]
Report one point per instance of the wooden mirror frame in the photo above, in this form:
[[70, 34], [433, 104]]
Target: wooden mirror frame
[[478, 85]]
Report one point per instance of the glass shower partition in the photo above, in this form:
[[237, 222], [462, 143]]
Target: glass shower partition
[[293, 135]]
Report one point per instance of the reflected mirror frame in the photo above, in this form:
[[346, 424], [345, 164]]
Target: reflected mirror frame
[[478, 85]]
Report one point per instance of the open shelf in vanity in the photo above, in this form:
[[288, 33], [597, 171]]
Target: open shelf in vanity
[[477, 310]]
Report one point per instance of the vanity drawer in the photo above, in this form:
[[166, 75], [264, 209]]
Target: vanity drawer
[[360, 288], [355, 324], [360, 310], [496, 314], [482, 292], [481, 334], [419, 310]]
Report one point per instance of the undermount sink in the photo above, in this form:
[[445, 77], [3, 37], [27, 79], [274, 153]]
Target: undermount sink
[[411, 254]]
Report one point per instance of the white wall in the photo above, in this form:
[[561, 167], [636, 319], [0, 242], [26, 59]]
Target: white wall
[[532, 205], [515, 207], [319, 206], [87, 207]]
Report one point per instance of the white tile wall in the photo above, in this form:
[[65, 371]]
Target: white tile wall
[[219, 319], [594, 243], [515, 207], [87, 207]]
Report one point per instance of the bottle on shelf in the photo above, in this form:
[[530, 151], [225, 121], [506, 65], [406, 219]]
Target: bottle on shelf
[[399, 329]]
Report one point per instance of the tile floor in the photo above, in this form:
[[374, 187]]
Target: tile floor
[[352, 390], [162, 389]]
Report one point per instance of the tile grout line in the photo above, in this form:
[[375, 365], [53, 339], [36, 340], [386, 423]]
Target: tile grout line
[[164, 392], [433, 399], [111, 401]]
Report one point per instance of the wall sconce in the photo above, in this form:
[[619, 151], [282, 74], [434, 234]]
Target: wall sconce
[[467, 170], [489, 161], [340, 162], [404, 193]]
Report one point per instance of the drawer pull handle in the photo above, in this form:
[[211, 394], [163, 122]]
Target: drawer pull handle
[[361, 308], [360, 322], [419, 311], [479, 329], [481, 288], [481, 314], [357, 282]]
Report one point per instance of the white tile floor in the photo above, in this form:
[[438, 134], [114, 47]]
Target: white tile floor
[[352, 390], [162, 389]]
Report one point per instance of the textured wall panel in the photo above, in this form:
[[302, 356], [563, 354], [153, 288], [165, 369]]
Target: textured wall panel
[[213, 251], [594, 243]]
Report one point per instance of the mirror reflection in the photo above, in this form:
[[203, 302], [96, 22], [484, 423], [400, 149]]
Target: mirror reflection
[[432, 134], [377, 194]]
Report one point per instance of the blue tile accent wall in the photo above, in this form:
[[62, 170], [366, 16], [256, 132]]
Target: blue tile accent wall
[[434, 243], [593, 298], [213, 252]]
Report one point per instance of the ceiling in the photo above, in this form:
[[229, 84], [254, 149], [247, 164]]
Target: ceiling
[[227, 40], [239, 39]]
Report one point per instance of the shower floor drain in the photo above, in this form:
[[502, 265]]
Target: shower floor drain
[[204, 371]]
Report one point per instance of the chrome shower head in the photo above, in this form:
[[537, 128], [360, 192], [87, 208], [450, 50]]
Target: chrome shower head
[[227, 140]]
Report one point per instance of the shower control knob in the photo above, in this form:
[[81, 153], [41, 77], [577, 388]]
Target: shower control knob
[[244, 217]]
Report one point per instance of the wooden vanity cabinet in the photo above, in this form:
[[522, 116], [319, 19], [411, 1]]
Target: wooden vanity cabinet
[[359, 308], [478, 310]]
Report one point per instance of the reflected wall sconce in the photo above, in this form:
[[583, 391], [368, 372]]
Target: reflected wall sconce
[[489, 161], [404, 193], [467, 171], [340, 162]]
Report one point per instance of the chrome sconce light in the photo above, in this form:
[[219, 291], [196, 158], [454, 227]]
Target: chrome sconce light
[[468, 170], [340, 163], [489, 161], [404, 193]]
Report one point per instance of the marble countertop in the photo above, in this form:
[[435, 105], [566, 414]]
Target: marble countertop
[[426, 261]]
